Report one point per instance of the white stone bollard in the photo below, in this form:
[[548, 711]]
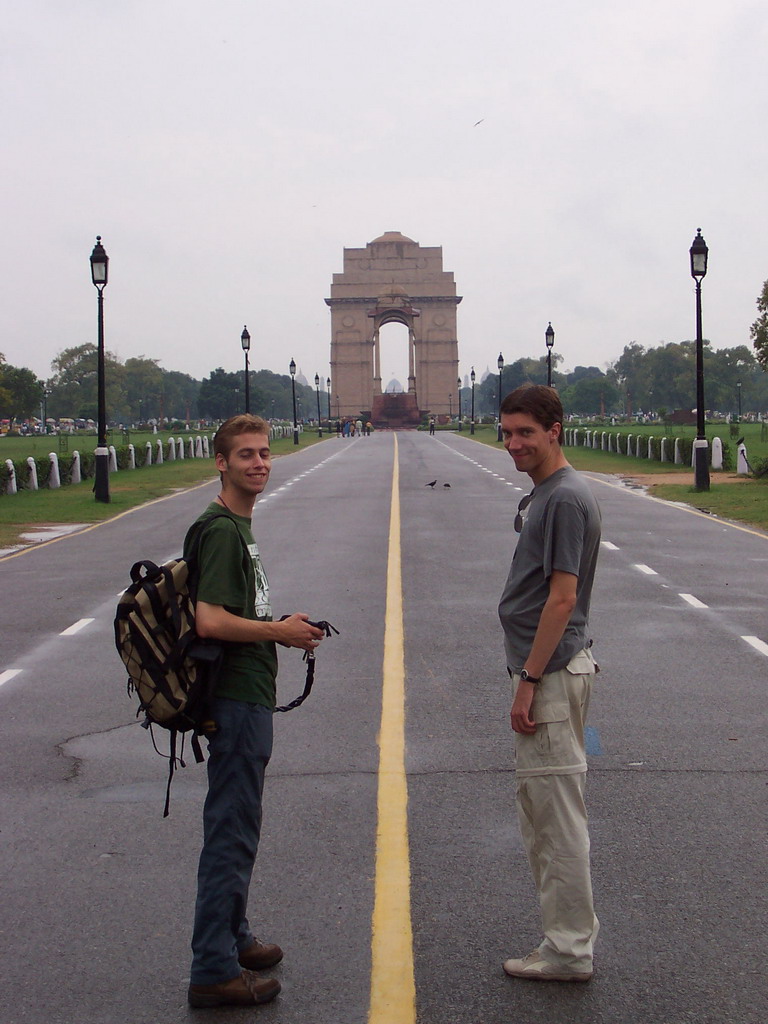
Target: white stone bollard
[[54, 478], [604, 442], [664, 454], [112, 459], [191, 448], [742, 462], [206, 448], [171, 449], [198, 447], [10, 487], [650, 448], [131, 457], [32, 474], [148, 456], [678, 453], [76, 475], [159, 459], [717, 453], [629, 444], [180, 448]]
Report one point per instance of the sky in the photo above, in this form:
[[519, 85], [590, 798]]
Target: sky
[[563, 155]]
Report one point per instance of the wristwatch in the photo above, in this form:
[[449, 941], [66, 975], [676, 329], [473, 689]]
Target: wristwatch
[[524, 674]]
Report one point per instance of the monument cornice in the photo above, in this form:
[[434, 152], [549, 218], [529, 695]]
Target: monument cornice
[[416, 300]]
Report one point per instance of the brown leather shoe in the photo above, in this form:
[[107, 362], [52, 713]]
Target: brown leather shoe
[[244, 990], [260, 956]]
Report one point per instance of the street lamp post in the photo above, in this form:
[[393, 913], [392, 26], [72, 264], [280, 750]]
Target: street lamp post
[[245, 341], [99, 275], [458, 389], [472, 421], [549, 337], [500, 364], [699, 254], [46, 396], [738, 392], [317, 392], [450, 406], [292, 368], [328, 386]]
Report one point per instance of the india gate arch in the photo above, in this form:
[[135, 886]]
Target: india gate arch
[[393, 280]]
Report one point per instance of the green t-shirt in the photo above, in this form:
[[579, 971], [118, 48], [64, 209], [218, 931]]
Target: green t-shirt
[[237, 581]]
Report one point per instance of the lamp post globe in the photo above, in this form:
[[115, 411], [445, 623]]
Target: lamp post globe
[[245, 341], [292, 369], [317, 392], [458, 392], [500, 364], [549, 338], [99, 277], [472, 419], [699, 254]]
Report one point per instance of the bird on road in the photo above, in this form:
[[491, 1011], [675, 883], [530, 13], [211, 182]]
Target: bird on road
[[446, 485], [431, 483]]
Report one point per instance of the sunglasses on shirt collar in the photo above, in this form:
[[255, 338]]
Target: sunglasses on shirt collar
[[519, 518]]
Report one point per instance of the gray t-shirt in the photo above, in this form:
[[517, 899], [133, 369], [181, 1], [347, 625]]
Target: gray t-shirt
[[561, 532]]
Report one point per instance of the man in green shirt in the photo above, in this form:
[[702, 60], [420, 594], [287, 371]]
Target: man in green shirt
[[233, 607]]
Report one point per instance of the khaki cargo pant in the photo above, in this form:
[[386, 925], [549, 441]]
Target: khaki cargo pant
[[551, 773]]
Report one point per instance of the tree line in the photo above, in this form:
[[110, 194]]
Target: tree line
[[139, 390], [642, 380]]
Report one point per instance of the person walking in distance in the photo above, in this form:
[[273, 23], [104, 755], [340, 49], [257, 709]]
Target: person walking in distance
[[233, 606], [544, 612]]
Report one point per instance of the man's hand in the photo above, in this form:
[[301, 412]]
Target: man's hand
[[520, 714], [295, 631]]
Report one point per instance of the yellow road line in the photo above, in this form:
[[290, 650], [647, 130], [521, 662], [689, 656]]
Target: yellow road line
[[393, 988]]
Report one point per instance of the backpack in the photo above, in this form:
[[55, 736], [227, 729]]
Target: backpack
[[171, 670]]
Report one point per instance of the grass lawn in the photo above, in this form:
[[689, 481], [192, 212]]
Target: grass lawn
[[745, 500], [128, 488]]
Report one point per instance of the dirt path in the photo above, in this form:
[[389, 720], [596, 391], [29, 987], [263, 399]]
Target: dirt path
[[684, 479]]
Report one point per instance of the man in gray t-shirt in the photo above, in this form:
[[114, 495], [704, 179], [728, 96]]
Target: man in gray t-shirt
[[544, 613]]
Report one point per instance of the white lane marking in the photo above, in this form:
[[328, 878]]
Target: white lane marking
[[9, 673], [646, 569], [757, 643], [607, 544], [76, 627], [694, 602]]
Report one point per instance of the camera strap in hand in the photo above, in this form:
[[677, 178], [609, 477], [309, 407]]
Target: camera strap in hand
[[309, 657]]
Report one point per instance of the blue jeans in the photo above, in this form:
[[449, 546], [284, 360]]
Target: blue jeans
[[238, 756]]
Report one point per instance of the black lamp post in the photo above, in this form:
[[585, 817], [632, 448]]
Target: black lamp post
[[328, 386], [549, 337], [245, 341], [458, 390], [292, 368], [738, 392], [699, 254], [472, 421], [450, 406], [500, 364], [99, 275], [46, 395], [317, 392]]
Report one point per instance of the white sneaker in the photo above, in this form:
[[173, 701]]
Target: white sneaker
[[536, 968]]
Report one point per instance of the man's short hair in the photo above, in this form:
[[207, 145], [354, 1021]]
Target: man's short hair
[[224, 439], [535, 400]]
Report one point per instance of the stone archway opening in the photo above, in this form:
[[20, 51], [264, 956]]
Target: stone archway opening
[[393, 357]]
